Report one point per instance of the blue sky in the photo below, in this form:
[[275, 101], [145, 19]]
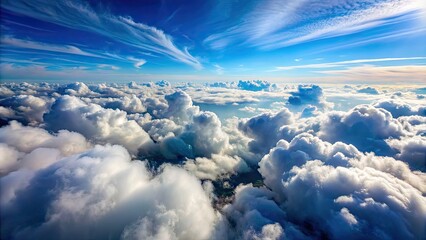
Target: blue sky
[[339, 41]]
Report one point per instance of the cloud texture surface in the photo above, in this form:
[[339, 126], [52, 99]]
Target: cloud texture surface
[[153, 161]]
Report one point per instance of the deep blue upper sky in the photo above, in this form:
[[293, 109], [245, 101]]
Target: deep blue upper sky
[[378, 41]]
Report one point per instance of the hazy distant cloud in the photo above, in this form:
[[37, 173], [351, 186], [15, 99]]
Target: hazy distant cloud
[[81, 16], [108, 66], [219, 70]]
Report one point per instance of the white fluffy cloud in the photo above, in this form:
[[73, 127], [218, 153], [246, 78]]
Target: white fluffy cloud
[[22, 156], [26, 108], [339, 191], [368, 90], [101, 193], [256, 215], [264, 128], [256, 85], [96, 123], [400, 108], [218, 166], [364, 126], [76, 89], [307, 94], [355, 173]]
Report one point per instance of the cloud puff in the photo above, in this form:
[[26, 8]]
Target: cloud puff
[[399, 108], [129, 104], [307, 94], [37, 150], [180, 108], [66, 142], [96, 123], [205, 134], [264, 128], [75, 89], [101, 193], [368, 90], [411, 150], [222, 85], [347, 193], [364, 126], [202, 136], [25, 108], [218, 166], [309, 111], [256, 85], [163, 83], [256, 215]]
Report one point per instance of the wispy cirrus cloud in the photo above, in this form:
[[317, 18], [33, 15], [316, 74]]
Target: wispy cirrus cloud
[[68, 49], [345, 63], [81, 16], [108, 66], [137, 62], [276, 24]]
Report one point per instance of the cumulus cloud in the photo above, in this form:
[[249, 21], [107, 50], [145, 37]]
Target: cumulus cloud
[[309, 111], [180, 108], [264, 128], [347, 193], [307, 94], [21, 156], [299, 172], [368, 90], [411, 150], [96, 123], [205, 134], [256, 85], [257, 216], [163, 83], [364, 126], [26, 108], [75, 89], [129, 104], [101, 193], [400, 108], [218, 166]]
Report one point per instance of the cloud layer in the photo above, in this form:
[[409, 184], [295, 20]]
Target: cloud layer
[[148, 161]]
